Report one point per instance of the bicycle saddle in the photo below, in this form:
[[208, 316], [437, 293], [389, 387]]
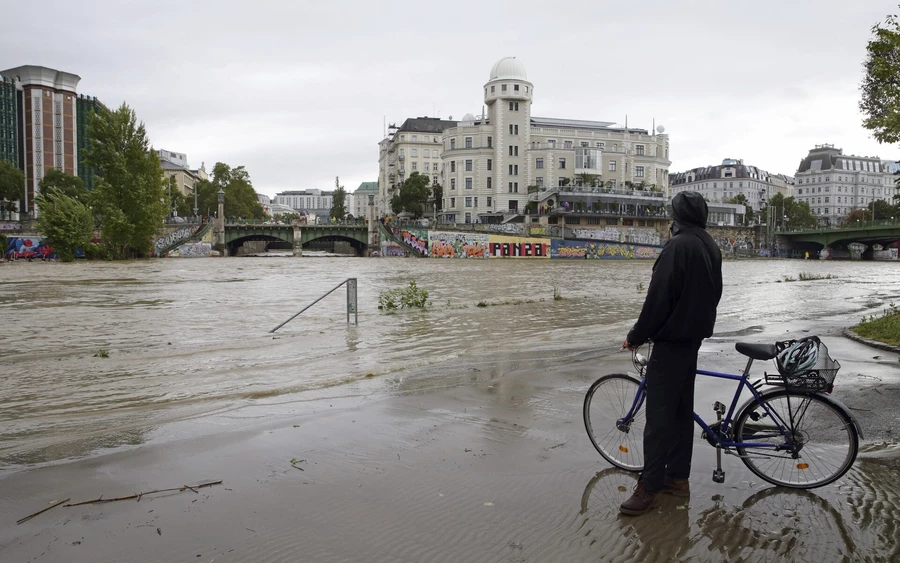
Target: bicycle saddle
[[756, 351]]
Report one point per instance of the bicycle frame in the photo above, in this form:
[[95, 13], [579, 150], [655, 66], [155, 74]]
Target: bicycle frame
[[719, 434]]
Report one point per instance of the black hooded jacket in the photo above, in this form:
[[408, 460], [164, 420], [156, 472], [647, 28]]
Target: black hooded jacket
[[687, 280]]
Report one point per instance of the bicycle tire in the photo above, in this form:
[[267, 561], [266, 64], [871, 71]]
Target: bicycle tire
[[622, 448], [810, 469]]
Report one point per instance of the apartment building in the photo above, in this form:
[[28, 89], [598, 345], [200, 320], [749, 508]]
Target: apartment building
[[723, 182], [834, 184]]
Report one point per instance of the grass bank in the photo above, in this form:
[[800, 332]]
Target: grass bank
[[885, 328]]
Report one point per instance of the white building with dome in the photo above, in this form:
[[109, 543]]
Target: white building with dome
[[488, 162]]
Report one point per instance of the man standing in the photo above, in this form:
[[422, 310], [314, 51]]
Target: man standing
[[678, 313]]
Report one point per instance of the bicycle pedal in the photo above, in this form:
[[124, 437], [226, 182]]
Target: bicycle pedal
[[718, 476]]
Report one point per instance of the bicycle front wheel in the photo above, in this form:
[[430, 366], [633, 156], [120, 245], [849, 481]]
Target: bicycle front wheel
[[818, 443], [607, 401]]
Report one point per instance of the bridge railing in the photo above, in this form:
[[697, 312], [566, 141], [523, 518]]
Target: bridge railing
[[351, 303]]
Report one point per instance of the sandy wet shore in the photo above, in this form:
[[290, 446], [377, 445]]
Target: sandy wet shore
[[496, 470]]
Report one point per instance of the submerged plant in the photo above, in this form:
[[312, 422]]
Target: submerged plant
[[407, 297]]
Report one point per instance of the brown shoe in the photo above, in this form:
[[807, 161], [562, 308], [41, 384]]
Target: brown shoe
[[641, 502], [677, 487]]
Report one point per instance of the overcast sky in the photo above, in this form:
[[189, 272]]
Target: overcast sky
[[297, 91]]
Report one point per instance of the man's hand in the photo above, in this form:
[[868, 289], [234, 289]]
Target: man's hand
[[628, 346]]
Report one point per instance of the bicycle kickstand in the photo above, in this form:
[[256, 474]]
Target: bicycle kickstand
[[718, 474]]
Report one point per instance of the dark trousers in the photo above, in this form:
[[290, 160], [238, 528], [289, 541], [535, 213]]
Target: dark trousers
[[669, 434]]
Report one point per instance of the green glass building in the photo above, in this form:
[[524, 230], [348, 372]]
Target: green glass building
[[84, 105], [9, 122]]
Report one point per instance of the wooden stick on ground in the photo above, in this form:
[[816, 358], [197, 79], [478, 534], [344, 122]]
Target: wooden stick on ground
[[139, 495], [30, 516]]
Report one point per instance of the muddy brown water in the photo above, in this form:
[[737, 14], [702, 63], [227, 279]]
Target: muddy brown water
[[99, 357]]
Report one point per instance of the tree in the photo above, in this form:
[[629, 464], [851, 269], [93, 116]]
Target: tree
[[240, 197], [339, 201], [66, 222], [129, 198], [412, 195], [788, 212], [880, 103], [63, 183], [12, 187]]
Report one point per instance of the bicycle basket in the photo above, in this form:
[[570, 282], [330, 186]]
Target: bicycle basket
[[819, 377]]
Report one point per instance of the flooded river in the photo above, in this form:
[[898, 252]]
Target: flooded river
[[98, 355]]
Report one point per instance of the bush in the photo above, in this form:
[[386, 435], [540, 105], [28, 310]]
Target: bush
[[410, 296]]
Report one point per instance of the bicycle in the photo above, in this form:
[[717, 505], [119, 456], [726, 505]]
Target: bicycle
[[787, 436]]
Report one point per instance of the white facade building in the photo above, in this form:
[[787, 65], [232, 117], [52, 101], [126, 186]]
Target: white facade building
[[317, 202], [732, 178], [415, 146], [834, 184], [488, 162], [359, 207]]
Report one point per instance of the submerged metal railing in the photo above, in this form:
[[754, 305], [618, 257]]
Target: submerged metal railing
[[351, 303]]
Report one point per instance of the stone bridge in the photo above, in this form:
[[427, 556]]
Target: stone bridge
[[812, 240], [296, 237]]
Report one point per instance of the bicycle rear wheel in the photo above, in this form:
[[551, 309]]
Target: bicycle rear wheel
[[826, 439], [608, 400]]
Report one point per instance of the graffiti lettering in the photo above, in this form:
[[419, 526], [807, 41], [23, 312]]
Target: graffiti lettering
[[524, 249], [28, 248], [192, 250], [173, 237], [9, 226]]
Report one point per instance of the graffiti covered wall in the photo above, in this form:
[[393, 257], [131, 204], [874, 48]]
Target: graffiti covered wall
[[27, 248], [192, 250], [416, 238], [585, 250], [448, 244], [183, 233]]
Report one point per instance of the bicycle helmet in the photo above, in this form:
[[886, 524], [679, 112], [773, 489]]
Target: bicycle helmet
[[798, 357]]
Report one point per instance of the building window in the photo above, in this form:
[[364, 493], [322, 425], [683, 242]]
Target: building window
[[639, 171], [402, 137], [510, 187], [414, 164], [510, 150], [434, 153], [639, 150], [490, 183], [568, 144], [413, 152], [434, 178], [515, 187], [552, 143], [503, 87], [468, 183], [452, 183], [539, 163], [468, 165], [415, 138], [492, 89], [539, 181], [599, 145], [490, 164], [490, 142], [510, 106], [468, 202], [468, 142], [510, 169], [612, 165], [516, 87], [452, 143], [562, 164], [452, 202], [476, 201], [425, 168], [516, 150], [489, 201]]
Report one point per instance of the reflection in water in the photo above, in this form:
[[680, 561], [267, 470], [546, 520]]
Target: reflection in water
[[857, 519], [177, 346]]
